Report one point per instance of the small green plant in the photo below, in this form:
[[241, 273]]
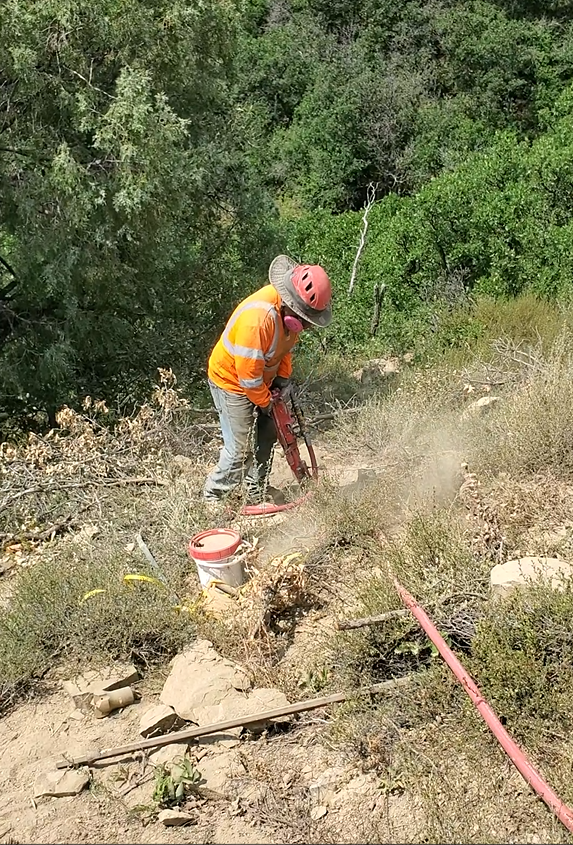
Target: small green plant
[[172, 787], [314, 679]]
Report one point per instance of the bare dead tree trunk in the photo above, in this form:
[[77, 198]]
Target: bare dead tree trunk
[[370, 198]]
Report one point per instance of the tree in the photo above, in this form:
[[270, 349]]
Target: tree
[[125, 192]]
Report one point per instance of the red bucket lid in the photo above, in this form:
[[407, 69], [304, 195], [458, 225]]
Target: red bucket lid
[[214, 544]]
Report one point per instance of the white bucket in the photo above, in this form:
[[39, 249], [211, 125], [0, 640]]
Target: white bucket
[[214, 553], [229, 571]]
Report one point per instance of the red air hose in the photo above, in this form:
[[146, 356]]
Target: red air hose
[[513, 751], [268, 508]]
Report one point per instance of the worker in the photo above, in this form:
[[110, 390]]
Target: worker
[[253, 356]]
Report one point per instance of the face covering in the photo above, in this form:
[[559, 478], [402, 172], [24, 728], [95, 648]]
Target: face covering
[[293, 324]]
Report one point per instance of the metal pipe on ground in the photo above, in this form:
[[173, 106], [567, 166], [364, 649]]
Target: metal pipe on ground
[[221, 727]]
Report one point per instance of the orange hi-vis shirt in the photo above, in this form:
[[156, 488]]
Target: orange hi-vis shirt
[[254, 348]]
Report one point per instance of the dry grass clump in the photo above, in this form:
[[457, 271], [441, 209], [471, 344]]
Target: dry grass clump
[[433, 559], [115, 481], [532, 431], [536, 512], [523, 657]]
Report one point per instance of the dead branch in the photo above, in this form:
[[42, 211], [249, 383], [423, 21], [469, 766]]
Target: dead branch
[[51, 531], [332, 415], [77, 485], [370, 199]]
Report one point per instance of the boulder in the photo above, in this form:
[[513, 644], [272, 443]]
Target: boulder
[[356, 479], [505, 577], [199, 681], [205, 688]]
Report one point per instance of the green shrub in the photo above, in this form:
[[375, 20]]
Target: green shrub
[[51, 616], [522, 657]]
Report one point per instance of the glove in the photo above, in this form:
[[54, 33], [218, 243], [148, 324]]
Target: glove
[[267, 409], [280, 382]]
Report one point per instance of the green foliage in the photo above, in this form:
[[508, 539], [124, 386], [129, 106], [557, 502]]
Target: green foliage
[[128, 203], [522, 659], [394, 92], [145, 148], [498, 225], [536, 431], [172, 786]]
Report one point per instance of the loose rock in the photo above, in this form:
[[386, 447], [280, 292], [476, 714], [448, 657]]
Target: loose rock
[[58, 783], [159, 719], [82, 688], [519, 573], [323, 789], [377, 370], [176, 818], [169, 755]]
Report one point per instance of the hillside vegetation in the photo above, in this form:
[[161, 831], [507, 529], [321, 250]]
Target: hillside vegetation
[[154, 157]]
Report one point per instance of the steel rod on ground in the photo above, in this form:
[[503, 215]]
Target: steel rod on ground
[[221, 727]]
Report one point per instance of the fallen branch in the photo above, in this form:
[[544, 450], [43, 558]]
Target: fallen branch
[[46, 533], [332, 415], [350, 624], [76, 485], [221, 727]]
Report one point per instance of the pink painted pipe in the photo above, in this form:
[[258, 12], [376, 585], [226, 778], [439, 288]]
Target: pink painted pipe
[[563, 812]]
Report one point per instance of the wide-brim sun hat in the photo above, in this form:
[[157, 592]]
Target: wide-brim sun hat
[[280, 277]]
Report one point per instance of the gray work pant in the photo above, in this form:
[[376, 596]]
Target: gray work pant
[[242, 428]]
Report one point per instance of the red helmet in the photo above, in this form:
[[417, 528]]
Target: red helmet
[[312, 286]]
